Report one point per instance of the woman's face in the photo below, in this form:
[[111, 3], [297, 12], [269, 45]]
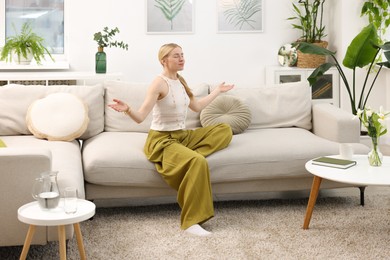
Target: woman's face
[[175, 60]]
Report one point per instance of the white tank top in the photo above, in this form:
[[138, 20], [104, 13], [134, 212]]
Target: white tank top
[[170, 112]]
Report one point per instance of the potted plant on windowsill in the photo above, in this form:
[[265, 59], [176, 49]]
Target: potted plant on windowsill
[[25, 46], [309, 14], [105, 39], [362, 52]]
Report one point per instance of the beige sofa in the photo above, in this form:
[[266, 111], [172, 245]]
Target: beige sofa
[[107, 162]]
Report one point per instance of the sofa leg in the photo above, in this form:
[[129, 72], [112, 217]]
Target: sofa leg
[[362, 188]]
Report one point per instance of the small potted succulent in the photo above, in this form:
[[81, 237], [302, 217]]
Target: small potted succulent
[[25, 46], [105, 39]]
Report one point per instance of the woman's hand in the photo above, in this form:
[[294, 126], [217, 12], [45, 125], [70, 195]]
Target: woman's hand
[[225, 87], [119, 106]]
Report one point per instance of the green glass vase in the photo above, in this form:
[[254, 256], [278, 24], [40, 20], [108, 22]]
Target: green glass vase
[[100, 61]]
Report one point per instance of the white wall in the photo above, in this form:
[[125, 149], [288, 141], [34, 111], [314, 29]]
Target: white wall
[[210, 57]]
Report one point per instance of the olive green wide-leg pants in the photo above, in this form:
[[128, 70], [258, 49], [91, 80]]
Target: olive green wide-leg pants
[[179, 157]]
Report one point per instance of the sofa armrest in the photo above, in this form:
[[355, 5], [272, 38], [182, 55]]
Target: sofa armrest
[[335, 124], [18, 169]]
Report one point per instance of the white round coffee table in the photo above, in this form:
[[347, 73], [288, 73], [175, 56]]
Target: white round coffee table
[[33, 215], [362, 174]]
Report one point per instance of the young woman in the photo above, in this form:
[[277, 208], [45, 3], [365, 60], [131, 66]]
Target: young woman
[[179, 154]]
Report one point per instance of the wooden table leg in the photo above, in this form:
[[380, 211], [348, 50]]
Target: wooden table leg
[[27, 242], [62, 241], [315, 188], [79, 238]]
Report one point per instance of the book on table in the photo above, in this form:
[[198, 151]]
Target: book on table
[[333, 162]]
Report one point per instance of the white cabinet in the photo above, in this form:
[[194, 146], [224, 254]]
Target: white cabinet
[[327, 89]]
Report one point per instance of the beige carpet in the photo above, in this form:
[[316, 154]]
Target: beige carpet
[[261, 229]]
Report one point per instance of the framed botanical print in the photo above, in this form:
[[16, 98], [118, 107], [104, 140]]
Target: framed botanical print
[[240, 16], [169, 16]]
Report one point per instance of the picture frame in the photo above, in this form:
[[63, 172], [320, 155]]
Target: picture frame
[[240, 16], [170, 16]]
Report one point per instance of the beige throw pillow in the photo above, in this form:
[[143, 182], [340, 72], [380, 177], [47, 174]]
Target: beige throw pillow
[[58, 117], [227, 109]]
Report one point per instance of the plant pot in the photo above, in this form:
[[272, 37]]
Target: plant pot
[[306, 60], [22, 60]]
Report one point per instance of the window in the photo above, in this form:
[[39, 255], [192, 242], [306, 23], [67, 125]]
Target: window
[[47, 18]]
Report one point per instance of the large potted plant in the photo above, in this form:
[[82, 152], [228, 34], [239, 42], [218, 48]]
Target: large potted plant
[[24, 46], [362, 52], [105, 39], [309, 14]]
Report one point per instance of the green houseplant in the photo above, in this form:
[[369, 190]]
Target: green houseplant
[[27, 44], [105, 39], [362, 52], [378, 13], [309, 14]]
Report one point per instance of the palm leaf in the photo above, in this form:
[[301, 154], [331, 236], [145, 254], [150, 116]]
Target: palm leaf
[[241, 12], [170, 8]]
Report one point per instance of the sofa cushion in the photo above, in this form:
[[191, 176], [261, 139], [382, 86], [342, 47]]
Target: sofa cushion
[[117, 159], [15, 100], [58, 117], [227, 109], [278, 105], [134, 94], [270, 154]]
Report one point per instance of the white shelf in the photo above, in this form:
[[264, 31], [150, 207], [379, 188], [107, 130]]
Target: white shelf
[[59, 65], [52, 75]]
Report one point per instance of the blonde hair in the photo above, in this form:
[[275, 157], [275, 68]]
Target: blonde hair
[[164, 51]]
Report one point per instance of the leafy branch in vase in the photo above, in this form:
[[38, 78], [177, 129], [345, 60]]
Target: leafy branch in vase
[[241, 12], [170, 8]]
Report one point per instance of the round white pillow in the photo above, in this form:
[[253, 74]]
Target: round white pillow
[[227, 109], [58, 117]]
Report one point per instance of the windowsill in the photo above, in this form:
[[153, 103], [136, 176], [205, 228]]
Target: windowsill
[[58, 65]]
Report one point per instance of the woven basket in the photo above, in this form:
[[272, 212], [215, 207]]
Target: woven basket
[[306, 60]]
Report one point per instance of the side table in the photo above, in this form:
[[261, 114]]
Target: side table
[[33, 215]]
